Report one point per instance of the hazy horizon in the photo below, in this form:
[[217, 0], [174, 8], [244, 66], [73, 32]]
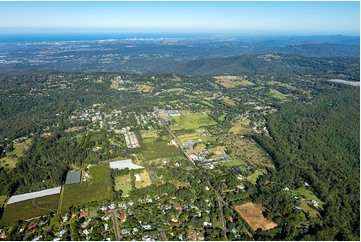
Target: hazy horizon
[[248, 18]]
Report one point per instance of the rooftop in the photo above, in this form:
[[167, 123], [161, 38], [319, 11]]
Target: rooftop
[[73, 177]]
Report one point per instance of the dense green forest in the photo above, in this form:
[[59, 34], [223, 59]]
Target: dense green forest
[[272, 63], [317, 143]]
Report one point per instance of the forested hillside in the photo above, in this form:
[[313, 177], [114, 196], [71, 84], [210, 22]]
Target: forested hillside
[[317, 143], [270, 63]]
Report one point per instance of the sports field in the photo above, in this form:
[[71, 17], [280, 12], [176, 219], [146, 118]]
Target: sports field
[[252, 213]]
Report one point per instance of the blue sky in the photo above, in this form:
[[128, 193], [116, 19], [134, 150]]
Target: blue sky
[[206, 17]]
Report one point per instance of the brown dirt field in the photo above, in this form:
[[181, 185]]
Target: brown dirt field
[[252, 213]]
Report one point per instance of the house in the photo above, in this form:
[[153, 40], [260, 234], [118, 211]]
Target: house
[[31, 226], [286, 189], [206, 224], [241, 187], [125, 231], [122, 217], [189, 145], [315, 203], [191, 235], [83, 214], [86, 232], [3, 235], [106, 226], [230, 218], [112, 206], [61, 233], [174, 220], [146, 227]]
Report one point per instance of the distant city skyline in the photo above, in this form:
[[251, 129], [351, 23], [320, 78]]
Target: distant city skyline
[[202, 17]]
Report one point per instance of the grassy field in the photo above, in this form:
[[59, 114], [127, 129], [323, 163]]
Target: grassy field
[[252, 213], [2, 199], [229, 101], [232, 81], [144, 180], [276, 94], [308, 195], [156, 149], [233, 163], [246, 150], [72, 129], [253, 178], [11, 158], [97, 188], [144, 88], [241, 126], [221, 118], [149, 133], [192, 121], [29, 209], [306, 208], [246, 83], [207, 103], [194, 137], [123, 183], [115, 83]]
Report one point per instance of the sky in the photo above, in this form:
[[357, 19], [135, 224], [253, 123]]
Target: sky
[[197, 17]]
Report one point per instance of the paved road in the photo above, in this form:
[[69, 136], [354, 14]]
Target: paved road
[[219, 198], [221, 201], [115, 225]]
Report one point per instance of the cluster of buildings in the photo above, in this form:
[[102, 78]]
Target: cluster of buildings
[[130, 138]]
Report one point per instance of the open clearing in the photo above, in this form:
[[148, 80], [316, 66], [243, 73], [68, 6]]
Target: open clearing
[[123, 183], [252, 213], [97, 188], [207, 103], [229, 101], [232, 81], [29, 209], [144, 88], [308, 196], [149, 133], [12, 157], [276, 94], [192, 121], [158, 149], [246, 150], [72, 129], [241, 126], [144, 180], [253, 178], [2, 199]]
